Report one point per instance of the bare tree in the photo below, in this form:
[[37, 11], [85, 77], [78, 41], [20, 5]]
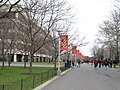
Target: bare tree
[[7, 39], [38, 18], [9, 8], [111, 31]]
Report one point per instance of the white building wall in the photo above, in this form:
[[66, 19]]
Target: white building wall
[[15, 58]]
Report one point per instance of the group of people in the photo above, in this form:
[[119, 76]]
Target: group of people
[[102, 63], [72, 63]]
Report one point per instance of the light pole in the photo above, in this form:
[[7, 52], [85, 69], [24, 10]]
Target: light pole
[[75, 60], [71, 55], [59, 71]]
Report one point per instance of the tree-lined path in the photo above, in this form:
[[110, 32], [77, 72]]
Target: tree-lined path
[[87, 78]]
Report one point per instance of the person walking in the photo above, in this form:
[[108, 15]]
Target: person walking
[[99, 61], [106, 63], [110, 63], [79, 64], [102, 63], [95, 63]]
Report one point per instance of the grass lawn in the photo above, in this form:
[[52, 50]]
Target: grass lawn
[[18, 78], [11, 74]]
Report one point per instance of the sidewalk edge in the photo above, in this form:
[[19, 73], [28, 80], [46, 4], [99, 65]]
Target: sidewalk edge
[[50, 81]]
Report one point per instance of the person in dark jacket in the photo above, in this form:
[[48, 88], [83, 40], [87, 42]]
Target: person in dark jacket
[[95, 63], [110, 63], [106, 63], [99, 61], [79, 64]]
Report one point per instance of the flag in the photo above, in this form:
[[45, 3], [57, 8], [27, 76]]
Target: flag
[[63, 42], [74, 49], [79, 54]]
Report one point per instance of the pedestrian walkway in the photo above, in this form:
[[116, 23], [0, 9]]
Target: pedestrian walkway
[[86, 78]]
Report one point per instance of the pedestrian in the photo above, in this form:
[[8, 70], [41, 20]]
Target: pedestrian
[[102, 63], [73, 63], [99, 61], [95, 63], [79, 64], [106, 63], [110, 63]]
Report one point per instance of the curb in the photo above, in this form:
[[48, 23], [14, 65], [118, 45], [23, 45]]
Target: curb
[[51, 80]]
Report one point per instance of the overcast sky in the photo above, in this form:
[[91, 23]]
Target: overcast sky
[[89, 15]]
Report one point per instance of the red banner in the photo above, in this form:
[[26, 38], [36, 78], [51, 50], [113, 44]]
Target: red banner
[[63, 42], [74, 49], [77, 52], [81, 56]]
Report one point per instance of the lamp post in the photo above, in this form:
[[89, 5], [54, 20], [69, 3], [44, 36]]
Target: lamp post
[[75, 60], [71, 55], [59, 71]]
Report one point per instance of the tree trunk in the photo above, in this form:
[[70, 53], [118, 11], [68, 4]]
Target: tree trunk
[[3, 55], [25, 60], [31, 56], [25, 63], [9, 59], [55, 67], [31, 59], [117, 56], [3, 61]]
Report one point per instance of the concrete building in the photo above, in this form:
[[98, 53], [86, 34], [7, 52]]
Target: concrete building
[[11, 33]]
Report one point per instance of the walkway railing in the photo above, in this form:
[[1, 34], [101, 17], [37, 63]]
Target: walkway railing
[[28, 83]]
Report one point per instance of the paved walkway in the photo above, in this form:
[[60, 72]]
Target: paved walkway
[[87, 78]]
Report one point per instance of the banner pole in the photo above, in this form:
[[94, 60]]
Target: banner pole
[[59, 71]]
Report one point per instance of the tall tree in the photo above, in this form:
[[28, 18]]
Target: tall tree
[[110, 29], [7, 39], [38, 18]]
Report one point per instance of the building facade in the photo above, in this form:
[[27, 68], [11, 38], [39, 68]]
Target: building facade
[[14, 41]]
